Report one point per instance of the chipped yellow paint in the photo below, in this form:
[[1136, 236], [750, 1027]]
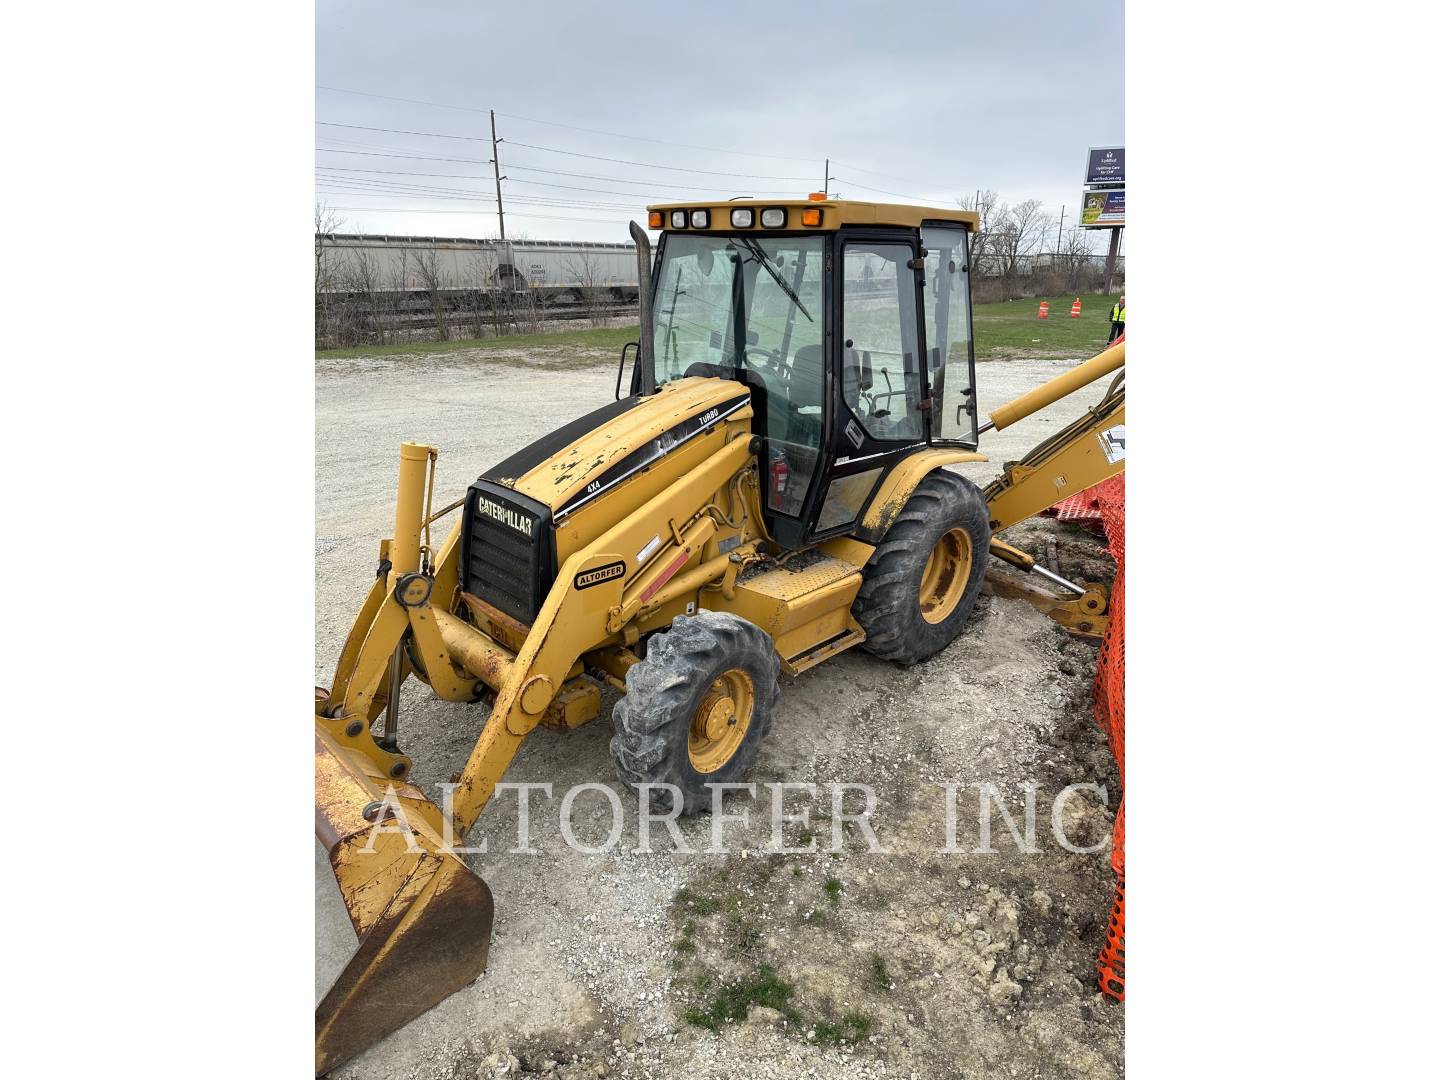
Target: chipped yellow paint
[[556, 481]]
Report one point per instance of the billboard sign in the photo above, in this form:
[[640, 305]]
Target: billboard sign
[[1105, 165], [1102, 209]]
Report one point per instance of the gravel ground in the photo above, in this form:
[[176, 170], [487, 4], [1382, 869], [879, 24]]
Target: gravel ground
[[913, 963]]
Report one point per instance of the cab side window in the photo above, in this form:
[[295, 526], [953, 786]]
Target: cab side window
[[947, 331], [879, 358]]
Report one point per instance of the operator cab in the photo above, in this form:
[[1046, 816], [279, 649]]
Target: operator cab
[[850, 323]]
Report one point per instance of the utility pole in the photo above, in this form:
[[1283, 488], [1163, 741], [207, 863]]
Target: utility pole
[[1060, 231], [827, 177], [495, 158]]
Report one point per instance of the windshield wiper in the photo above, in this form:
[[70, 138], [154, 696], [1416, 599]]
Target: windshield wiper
[[764, 260]]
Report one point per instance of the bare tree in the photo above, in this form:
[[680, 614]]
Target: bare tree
[[327, 223], [1075, 259], [527, 312], [583, 269], [1016, 235], [984, 203], [365, 300], [483, 292], [398, 293], [431, 273]]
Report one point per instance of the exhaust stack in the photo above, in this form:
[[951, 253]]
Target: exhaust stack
[[646, 359]]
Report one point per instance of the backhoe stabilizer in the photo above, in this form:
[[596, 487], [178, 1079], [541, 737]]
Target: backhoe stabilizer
[[422, 916]]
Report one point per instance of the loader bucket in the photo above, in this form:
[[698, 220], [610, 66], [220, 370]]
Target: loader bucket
[[422, 916]]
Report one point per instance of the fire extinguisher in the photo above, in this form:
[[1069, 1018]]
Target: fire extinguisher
[[779, 477]]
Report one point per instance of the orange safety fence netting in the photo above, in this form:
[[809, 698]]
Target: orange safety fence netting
[[1108, 500]]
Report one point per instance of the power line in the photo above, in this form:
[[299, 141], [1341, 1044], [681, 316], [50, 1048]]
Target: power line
[[548, 172], [572, 127], [554, 150], [865, 187], [401, 131], [870, 172], [408, 101], [491, 213], [662, 142], [347, 186], [637, 138], [637, 195], [404, 157], [520, 168], [649, 165], [461, 161], [581, 176], [366, 185]]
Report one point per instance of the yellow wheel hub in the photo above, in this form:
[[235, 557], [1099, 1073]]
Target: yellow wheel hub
[[946, 573], [723, 716]]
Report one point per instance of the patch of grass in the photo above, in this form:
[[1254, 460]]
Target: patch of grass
[[879, 975], [733, 1000], [611, 338], [833, 889], [695, 904], [850, 1028], [1010, 328], [795, 871], [1005, 329], [744, 936], [685, 946]]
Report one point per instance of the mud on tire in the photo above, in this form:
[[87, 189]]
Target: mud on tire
[[888, 604], [651, 744]]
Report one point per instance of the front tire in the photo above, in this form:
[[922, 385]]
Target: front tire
[[921, 583], [696, 708]]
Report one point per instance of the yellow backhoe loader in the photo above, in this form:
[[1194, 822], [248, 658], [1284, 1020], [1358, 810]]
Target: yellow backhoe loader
[[770, 492]]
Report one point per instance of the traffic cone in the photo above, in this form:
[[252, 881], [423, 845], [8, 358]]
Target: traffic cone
[[1075, 309], [1044, 312]]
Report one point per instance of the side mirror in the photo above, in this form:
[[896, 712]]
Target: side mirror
[[620, 375], [867, 372], [752, 337]]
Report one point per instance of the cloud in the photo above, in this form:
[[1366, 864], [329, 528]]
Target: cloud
[[910, 102]]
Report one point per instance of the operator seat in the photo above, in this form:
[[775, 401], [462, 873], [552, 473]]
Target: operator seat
[[807, 389]]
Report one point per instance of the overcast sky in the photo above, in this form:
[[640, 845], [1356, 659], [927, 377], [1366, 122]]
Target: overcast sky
[[919, 102]]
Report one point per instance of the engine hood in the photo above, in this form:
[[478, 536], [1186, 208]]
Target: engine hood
[[570, 466]]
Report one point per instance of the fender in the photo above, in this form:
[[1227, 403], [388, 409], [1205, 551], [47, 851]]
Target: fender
[[895, 489]]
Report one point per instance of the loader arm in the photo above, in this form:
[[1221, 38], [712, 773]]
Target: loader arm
[[574, 621], [422, 916]]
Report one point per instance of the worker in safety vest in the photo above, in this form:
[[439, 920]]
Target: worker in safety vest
[[1117, 319]]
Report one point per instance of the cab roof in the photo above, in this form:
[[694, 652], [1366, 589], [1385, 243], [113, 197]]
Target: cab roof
[[833, 214]]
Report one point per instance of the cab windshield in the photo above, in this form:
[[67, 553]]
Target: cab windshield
[[748, 301]]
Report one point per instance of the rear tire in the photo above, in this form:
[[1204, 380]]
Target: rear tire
[[921, 584], [696, 708]]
